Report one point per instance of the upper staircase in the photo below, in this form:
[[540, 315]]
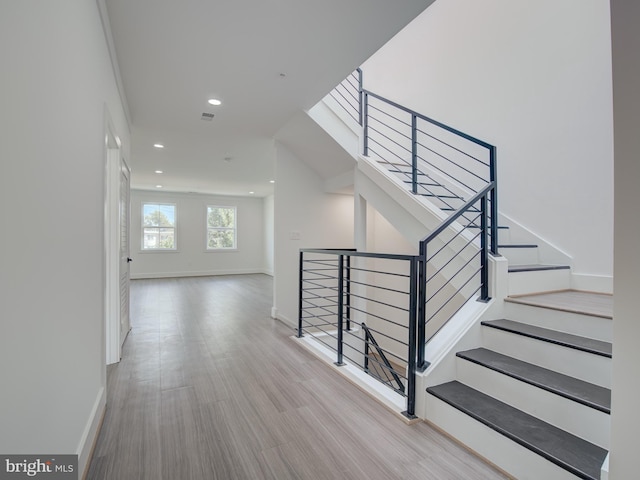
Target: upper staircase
[[527, 383]]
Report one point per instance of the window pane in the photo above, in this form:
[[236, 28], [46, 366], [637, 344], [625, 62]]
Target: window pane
[[221, 239], [151, 238], [167, 238], [159, 215], [221, 217]]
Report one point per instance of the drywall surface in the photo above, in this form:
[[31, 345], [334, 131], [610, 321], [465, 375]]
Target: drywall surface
[[191, 257], [305, 217], [534, 79], [57, 83]]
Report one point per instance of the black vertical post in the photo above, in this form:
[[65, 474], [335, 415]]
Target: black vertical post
[[414, 154], [422, 305], [484, 263], [347, 301], [359, 96], [366, 348], [365, 123], [300, 291], [339, 361], [493, 175], [411, 357]]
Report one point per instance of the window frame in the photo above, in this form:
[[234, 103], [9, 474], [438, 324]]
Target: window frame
[[144, 249], [208, 228]]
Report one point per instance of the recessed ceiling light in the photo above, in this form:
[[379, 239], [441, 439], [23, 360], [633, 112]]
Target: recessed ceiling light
[[158, 186], [158, 145], [214, 101], [159, 171], [251, 193], [272, 181]]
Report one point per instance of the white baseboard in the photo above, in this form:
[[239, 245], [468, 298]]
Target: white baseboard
[[592, 283], [91, 431], [205, 273]]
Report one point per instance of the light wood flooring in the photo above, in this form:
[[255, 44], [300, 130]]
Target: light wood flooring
[[210, 387], [576, 301]]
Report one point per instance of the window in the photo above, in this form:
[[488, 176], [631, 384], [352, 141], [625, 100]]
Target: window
[[158, 226], [221, 228]]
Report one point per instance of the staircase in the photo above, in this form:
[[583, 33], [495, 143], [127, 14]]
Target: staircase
[[535, 397]]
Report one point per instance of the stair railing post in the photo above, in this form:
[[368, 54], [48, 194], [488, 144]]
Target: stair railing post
[[484, 254], [414, 154], [422, 300], [339, 361], [347, 301], [300, 292], [493, 200], [365, 123], [411, 354], [359, 96]]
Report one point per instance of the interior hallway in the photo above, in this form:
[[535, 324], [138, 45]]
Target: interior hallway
[[210, 387]]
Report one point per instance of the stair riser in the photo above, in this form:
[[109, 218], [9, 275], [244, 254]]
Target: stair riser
[[539, 281], [575, 363], [521, 256], [574, 323], [580, 420], [496, 448]]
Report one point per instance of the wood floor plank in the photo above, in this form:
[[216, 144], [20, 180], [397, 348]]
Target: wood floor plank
[[210, 387]]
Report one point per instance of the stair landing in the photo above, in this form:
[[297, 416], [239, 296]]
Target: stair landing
[[574, 301]]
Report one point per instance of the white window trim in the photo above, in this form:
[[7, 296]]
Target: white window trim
[[206, 230], [175, 229]]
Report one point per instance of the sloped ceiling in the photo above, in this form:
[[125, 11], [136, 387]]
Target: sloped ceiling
[[266, 60]]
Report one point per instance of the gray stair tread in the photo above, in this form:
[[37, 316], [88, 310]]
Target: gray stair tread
[[518, 245], [535, 268], [572, 453], [588, 394], [590, 345], [575, 301]]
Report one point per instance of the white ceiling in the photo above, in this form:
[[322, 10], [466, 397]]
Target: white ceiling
[[266, 60]]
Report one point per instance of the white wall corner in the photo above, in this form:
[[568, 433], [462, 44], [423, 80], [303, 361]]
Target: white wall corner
[[604, 471], [91, 431], [592, 283]]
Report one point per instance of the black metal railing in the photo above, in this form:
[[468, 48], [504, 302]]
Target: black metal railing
[[348, 95], [363, 307], [453, 269], [346, 307]]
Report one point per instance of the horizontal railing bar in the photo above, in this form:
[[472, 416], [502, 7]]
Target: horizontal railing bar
[[446, 174], [351, 253], [455, 293], [374, 359], [450, 260], [387, 289], [353, 269], [402, 309], [382, 319], [430, 120], [453, 148], [312, 281], [397, 119], [457, 310], [454, 276], [452, 162], [402, 147], [391, 152], [377, 154], [455, 215], [452, 239], [317, 324], [378, 332]]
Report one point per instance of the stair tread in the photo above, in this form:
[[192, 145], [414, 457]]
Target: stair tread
[[574, 301], [518, 245], [535, 268], [586, 393], [572, 453], [590, 345]]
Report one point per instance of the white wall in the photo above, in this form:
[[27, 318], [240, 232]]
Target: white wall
[[625, 421], [268, 212], [302, 208], [56, 80], [534, 79], [191, 257]]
